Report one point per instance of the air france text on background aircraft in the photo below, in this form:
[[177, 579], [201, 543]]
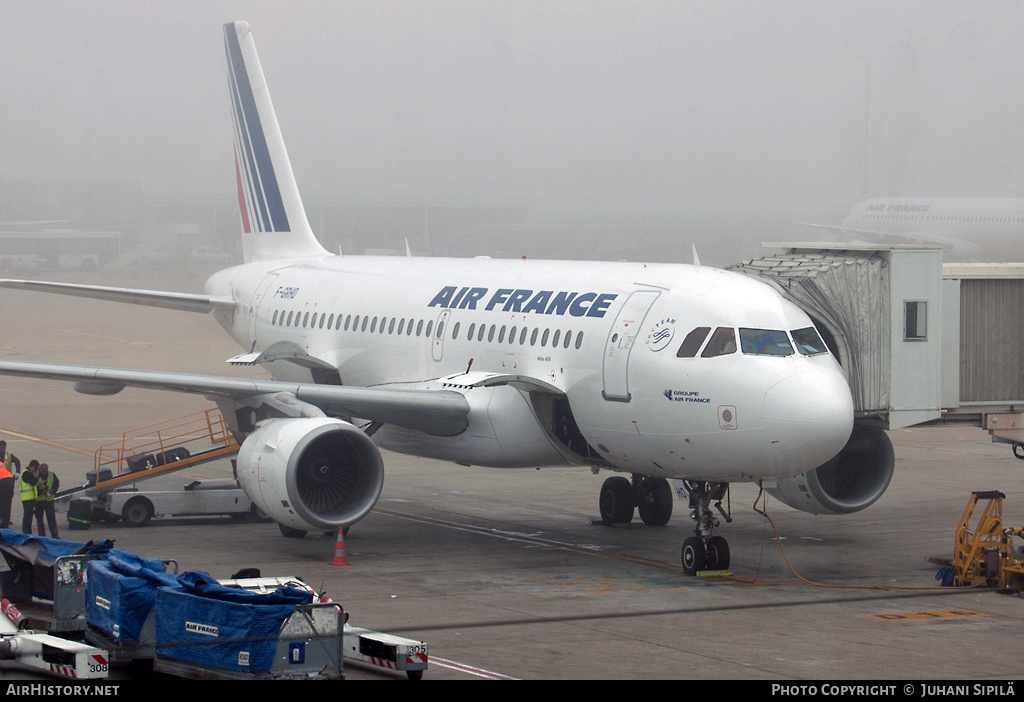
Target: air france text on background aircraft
[[968, 228], [655, 370]]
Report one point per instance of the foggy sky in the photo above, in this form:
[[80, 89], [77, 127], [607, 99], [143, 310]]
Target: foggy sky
[[605, 106]]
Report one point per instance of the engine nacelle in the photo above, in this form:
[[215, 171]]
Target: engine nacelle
[[311, 473], [851, 481]]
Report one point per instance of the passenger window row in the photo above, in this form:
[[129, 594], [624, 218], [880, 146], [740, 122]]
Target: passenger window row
[[398, 326], [322, 320], [521, 334]]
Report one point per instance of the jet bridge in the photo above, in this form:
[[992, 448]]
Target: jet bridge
[[921, 342]]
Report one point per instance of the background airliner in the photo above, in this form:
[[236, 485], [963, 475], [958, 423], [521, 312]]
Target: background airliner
[[657, 371], [969, 228]]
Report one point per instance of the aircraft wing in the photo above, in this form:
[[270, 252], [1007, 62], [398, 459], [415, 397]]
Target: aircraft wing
[[151, 298], [436, 412]]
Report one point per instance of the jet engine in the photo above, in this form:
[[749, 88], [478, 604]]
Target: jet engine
[[851, 481], [313, 473]]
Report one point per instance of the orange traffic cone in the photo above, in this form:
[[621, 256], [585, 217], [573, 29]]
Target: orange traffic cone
[[339, 550]]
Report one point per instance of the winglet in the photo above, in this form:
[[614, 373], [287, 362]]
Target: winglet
[[274, 223]]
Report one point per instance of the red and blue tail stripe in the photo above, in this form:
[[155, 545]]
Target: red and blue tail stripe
[[259, 195]]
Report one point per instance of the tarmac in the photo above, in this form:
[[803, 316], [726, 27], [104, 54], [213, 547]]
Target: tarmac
[[506, 575]]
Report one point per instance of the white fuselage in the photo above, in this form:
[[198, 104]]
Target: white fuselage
[[605, 335], [969, 227]]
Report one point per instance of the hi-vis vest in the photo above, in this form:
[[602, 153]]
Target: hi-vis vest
[[5, 466], [46, 482], [28, 492]]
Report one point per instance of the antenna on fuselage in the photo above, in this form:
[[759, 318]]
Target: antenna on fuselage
[[696, 259]]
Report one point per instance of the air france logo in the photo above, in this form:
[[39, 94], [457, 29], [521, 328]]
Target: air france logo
[[588, 304], [661, 335], [685, 396]]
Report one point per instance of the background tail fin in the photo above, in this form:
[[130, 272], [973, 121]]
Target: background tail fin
[[274, 223]]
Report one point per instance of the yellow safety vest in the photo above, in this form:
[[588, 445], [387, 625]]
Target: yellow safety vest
[[28, 492], [48, 484]]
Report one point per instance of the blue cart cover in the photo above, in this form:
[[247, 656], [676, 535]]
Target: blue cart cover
[[41, 553], [122, 592], [203, 622]]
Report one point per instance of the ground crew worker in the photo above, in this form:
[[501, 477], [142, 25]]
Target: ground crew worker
[[9, 459], [27, 486], [6, 492], [47, 486], [9, 467]]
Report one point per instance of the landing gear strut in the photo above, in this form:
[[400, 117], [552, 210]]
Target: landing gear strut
[[704, 551], [651, 496]]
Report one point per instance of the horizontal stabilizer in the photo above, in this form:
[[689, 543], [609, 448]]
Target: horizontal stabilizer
[[150, 298]]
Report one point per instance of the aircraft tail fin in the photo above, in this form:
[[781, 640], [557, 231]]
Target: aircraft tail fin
[[274, 223]]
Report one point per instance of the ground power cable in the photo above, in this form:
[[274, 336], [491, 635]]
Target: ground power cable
[[778, 539]]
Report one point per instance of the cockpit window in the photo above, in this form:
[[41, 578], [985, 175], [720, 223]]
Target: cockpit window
[[765, 342], [808, 341], [692, 342], [723, 342]]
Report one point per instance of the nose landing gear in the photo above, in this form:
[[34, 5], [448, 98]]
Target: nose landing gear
[[704, 551]]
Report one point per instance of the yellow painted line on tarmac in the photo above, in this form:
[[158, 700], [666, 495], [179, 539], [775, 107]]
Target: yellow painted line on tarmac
[[929, 614], [8, 432]]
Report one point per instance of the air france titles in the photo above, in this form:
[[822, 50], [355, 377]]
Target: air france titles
[[588, 304], [885, 207]]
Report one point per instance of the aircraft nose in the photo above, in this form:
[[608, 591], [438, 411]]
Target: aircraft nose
[[808, 418]]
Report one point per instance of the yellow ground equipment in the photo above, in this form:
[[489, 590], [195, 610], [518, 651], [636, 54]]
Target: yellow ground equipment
[[163, 448], [985, 552], [979, 550]]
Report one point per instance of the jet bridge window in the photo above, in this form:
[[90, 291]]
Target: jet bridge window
[[915, 320], [692, 342], [723, 342], [765, 342], [808, 341]]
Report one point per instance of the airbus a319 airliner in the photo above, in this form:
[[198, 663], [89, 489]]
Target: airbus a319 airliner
[[657, 371]]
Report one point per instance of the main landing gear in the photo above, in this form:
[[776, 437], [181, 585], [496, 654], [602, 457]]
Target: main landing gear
[[652, 497], [704, 551]]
